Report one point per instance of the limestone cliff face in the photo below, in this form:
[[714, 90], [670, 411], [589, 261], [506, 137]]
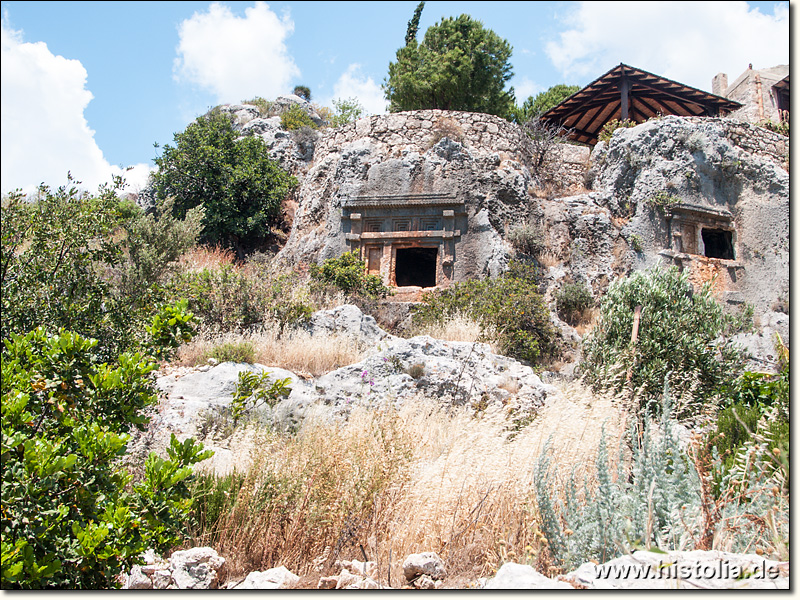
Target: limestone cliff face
[[479, 161], [709, 195]]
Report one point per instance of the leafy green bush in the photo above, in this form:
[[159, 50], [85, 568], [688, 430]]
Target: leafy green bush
[[295, 117], [54, 250], [637, 244], [679, 338], [229, 298], [572, 300], [346, 111], [509, 306], [609, 128], [237, 183], [153, 244], [172, 326], [239, 352], [348, 273], [255, 389], [72, 517]]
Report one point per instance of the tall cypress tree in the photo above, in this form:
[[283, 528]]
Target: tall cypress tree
[[413, 24]]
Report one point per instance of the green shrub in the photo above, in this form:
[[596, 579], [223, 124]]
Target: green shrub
[[55, 249], [153, 244], [235, 180], [572, 300], [509, 306], [172, 326], [348, 273], [648, 504], [256, 389], [238, 352], [229, 298], [662, 200], [781, 127], [264, 106], [303, 91], [609, 128], [72, 517], [679, 338], [637, 244], [295, 117], [346, 111]]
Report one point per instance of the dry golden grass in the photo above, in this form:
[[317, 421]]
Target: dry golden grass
[[550, 258], [399, 481], [457, 328], [296, 351]]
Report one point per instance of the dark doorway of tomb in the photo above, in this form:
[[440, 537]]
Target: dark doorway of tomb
[[415, 266], [718, 243]]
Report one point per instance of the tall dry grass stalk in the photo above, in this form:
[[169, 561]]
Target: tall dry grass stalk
[[389, 483], [295, 351]]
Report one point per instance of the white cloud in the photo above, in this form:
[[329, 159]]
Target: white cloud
[[524, 88], [236, 58], [354, 84], [42, 126], [689, 42]]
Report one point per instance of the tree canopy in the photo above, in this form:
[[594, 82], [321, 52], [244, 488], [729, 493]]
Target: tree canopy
[[236, 182], [544, 101], [459, 65]]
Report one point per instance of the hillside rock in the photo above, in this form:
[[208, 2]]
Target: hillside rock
[[670, 180], [453, 373], [479, 159]]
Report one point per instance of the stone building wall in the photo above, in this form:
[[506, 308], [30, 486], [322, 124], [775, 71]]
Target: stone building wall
[[745, 90], [751, 138], [418, 131]]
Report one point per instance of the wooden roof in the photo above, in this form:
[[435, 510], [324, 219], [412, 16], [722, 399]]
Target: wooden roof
[[783, 84], [626, 92]]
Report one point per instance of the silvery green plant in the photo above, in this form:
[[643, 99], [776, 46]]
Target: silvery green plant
[[655, 502]]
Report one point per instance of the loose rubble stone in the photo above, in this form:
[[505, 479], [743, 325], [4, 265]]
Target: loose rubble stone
[[425, 563], [273, 579]]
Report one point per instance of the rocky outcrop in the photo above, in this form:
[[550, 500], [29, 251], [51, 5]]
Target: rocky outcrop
[[478, 159], [454, 373], [198, 568], [292, 149], [667, 183]]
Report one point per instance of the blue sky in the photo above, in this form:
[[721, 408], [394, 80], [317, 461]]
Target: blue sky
[[90, 86]]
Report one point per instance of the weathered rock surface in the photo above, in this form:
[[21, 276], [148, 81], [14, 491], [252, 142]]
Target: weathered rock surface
[[424, 564], [477, 158], [512, 576], [196, 568], [349, 320], [454, 373], [278, 578], [676, 176]]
